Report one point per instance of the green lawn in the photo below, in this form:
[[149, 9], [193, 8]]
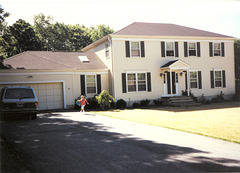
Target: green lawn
[[220, 121]]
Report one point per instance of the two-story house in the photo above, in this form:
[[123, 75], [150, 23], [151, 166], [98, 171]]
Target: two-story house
[[154, 60], [140, 61]]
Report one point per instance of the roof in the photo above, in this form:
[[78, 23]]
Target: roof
[[53, 60], [164, 29], [179, 64], [168, 64]]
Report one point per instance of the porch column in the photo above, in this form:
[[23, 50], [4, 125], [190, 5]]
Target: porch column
[[171, 82], [188, 82]]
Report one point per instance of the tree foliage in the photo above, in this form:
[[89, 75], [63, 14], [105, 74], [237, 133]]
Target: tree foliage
[[3, 16], [237, 63], [99, 32]]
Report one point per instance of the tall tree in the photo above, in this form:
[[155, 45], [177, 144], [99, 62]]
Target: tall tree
[[100, 31], [3, 16], [237, 63], [25, 36]]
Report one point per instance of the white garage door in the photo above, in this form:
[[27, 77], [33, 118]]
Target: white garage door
[[50, 95]]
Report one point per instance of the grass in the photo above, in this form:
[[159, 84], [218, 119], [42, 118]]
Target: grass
[[220, 120]]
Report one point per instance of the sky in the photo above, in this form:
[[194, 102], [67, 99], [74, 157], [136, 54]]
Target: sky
[[219, 16]]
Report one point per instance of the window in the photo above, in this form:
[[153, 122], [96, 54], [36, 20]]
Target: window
[[135, 49], [216, 49], [91, 84], [141, 82], [169, 48], [136, 82], [131, 78], [218, 78], [192, 49], [106, 50], [193, 80]]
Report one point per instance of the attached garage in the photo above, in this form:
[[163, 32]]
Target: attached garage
[[50, 95]]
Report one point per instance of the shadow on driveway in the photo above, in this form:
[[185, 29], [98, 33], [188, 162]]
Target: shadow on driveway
[[51, 144]]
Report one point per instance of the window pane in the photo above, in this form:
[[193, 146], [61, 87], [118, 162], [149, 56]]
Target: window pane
[[193, 85], [192, 45], [91, 90], [192, 52], [90, 78], [131, 76], [131, 86], [193, 74], [218, 83], [216, 45], [141, 76], [135, 52], [135, 45], [217, 74], [169, 46], [142, 87], [216, 52], [170, 53]]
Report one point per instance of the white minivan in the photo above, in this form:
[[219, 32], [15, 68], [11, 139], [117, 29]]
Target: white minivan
[[19, 101]]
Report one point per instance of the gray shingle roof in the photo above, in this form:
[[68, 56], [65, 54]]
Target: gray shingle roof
[[164, 29], [53, 60]]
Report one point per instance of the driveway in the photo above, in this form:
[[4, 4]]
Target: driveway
[[73, 142]]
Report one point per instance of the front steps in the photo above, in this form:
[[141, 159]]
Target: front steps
[[181, 101]]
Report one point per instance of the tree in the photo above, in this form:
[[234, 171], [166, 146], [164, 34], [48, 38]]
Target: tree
[[25, 36], [3, 16], [99, 32], [105, 100], [237, 64]]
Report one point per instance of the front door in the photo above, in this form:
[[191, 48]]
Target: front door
[[167, 83]]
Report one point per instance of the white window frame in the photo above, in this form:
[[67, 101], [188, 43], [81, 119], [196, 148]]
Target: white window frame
[[217, 49], [218, 80], [190, 79], [136, 75], [173, 48], [192, 49], [95, 83], [107, 45], [130, 48]]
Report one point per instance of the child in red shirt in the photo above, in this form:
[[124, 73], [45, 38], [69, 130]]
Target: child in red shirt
[[83, 102]]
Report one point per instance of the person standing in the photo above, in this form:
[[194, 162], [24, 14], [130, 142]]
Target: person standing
[[83, 102]]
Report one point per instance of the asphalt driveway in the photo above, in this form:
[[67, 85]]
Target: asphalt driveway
[[72, 142]]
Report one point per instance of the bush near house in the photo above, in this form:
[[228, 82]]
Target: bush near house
[[144, 102], [105, 100], [121, 104], [158, 102], [135, 105]]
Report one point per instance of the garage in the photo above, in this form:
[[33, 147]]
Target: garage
[[50, 95]]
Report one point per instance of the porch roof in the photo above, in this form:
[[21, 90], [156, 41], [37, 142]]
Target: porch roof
[[176, 64]]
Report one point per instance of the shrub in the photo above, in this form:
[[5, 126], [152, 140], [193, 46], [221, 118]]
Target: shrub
[[121, 104], [236, 97], [93, 103], [185, 93], [158, 102], [105, 100], [219, 98], [135, 105], [203, 100], [144, 102]]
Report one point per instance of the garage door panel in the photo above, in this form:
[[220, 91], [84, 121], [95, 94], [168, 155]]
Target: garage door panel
[[50, 95]]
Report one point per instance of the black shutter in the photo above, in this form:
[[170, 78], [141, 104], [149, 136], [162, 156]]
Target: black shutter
[[224, 78], [222, 48], [163, 48], [124, 85], [185, 49], [210, 49], [212, 79], [149, 81], [186, 81], [82, 79], [142, 49], [199, 80], [173, 83], [99, 88], [176, 49], [198, 49], [127, 45]]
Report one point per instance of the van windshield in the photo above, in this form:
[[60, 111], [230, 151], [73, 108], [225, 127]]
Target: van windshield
[[19, 93]]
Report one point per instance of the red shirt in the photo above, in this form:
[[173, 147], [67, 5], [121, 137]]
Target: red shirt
[[83, 101]]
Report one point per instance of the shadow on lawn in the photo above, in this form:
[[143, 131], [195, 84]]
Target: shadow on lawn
[[52, 144], [212, 106]]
